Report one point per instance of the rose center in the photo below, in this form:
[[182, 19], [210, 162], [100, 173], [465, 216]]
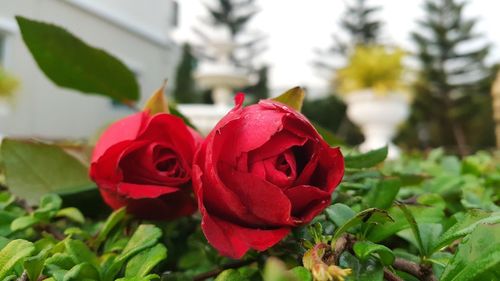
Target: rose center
[[283, 166]]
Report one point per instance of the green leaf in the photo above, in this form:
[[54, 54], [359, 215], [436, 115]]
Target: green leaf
[[144, 237], [113, 219], [413, 226], [69, 62], [82, 271], [174, 111], [141, 264], [477, 257], [80, 252], [137, 278], [34, 265], [371, 215], [339, 213], [34, 169], [49, 205], [423, 214], [465, 226], [71, 213], [364, 249], [366, 160], [23, 223], [301, 273], [383, 194], [429, 233], [327, 135], [275, 270], [293, 98], [229, 275], [369, 270], [12, 253]]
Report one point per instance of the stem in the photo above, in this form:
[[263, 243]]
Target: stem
[[421, 271], [217, 271], [390, 276]]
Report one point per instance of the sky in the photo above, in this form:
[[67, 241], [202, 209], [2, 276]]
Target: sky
[[295, 28]]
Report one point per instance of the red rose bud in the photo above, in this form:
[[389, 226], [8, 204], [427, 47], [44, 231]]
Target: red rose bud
[[144, 162], [261, 171]]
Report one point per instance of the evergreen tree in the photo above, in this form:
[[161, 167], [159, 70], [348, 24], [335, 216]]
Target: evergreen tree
[[453, 83], [359, 26], [260, 90], [185, 87], [235, 15]]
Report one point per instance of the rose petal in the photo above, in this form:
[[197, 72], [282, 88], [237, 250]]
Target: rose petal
[[123, 130], [234, 241], [329, 170], [265, 200], [165, 207], [138, 191], [307, 201]]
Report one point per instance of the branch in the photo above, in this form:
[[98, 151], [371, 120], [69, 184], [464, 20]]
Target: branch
[[421, 271], [217, 271], [390, 276]]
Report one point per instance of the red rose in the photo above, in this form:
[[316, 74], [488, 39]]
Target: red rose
[[261, 171], [144, 162]]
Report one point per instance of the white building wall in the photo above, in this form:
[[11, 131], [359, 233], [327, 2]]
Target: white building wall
[[44, 110]]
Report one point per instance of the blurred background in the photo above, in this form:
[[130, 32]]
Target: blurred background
[[418, 72]]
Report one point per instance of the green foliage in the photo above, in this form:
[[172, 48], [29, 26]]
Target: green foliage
[[452, 105], [34, 169], [185, 86], [71, 63], [293, 98]]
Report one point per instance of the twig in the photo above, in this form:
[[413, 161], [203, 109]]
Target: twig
[[421, 271], [217, 271], [390, 276]]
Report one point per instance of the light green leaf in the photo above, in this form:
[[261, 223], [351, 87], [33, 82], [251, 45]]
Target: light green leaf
[[12, 253], [137, 278], [23, 223], [301, 273], [80, 252], [144, 237], [366, 160], [82, 271], [477, 257], [293, 98], [69, 62], [364, 249], [34, 169], [229, 275], [141, 264], [49, 205], [465, 226], [71, 213], [116, 217]]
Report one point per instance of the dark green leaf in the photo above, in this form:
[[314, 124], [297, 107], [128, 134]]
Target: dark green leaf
[[327, 135], [364, 249], [366, 160], [34, 169], [229, 275], [301, 273], [413, 226], [69, 62], [339, 213], [383, 194], [371, 215]]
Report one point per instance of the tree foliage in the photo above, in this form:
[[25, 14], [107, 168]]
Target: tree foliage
[[185, 87], [452, 101]]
